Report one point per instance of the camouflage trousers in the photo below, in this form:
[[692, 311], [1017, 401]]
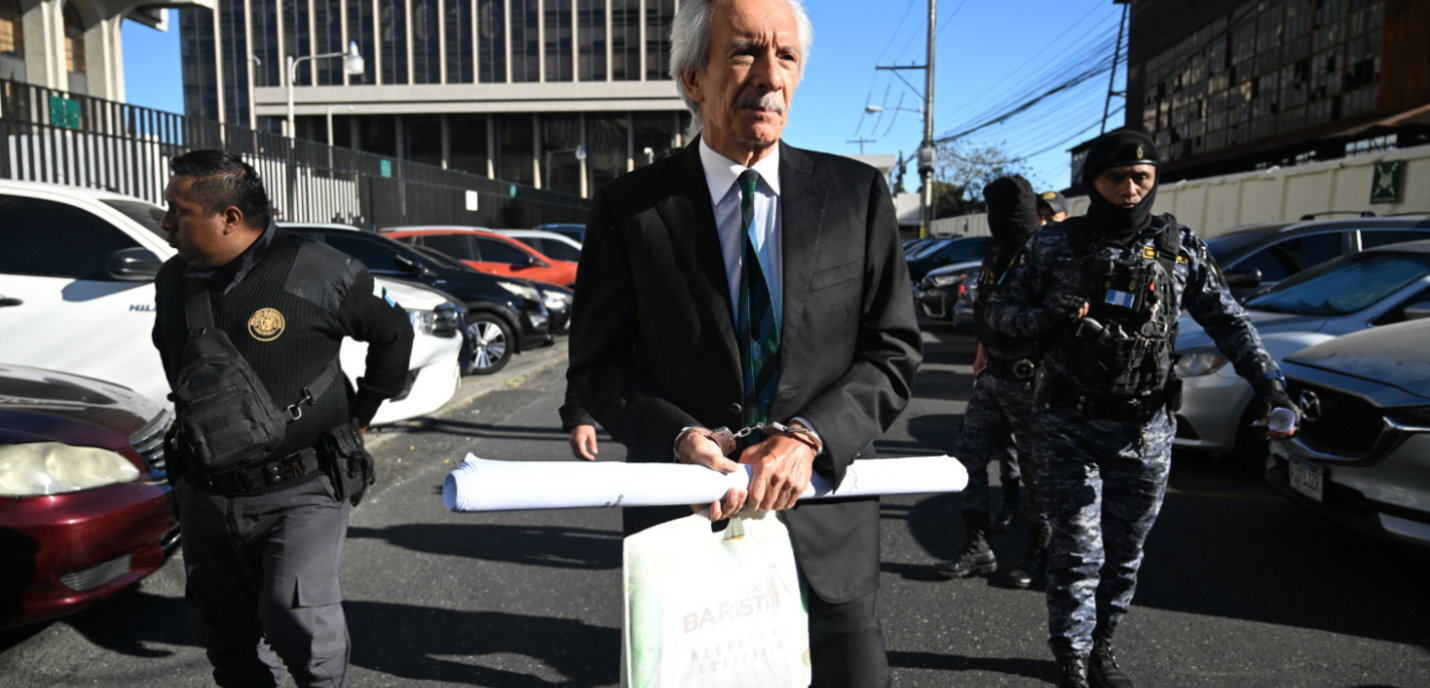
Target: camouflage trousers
[[995, 428], [1102, 483]]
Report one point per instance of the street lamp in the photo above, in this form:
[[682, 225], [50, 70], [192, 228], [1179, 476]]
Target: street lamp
[[330, 119], [252, 106], [649, 155], [352, 65], [580, 152]]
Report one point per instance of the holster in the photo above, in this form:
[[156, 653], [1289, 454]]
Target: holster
[[1174, 393], [346, 461]]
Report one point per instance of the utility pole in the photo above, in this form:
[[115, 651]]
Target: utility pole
[[928, 151], [861, 141], [1116, 56]]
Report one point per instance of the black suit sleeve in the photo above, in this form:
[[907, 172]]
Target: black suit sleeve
[[608, 384], [865, 401]]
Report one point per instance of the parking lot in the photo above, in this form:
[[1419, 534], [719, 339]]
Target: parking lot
[[1240, 588]]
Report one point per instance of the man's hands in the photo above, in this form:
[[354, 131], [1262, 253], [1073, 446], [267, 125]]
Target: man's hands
[[980, 360], [1066, 309], [1271, 395], [583, 442], [781, 465]]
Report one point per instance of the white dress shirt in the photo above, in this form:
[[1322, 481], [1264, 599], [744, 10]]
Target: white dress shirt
[[721, 173]]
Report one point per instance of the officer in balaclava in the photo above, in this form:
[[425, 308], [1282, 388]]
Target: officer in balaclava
[[994, 426], [1105, 289]]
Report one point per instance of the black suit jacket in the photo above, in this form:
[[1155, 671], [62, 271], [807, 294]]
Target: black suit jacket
[[653, 345]]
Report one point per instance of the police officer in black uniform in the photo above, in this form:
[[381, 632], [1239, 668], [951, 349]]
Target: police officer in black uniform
[[263, 535], [1106, 290]]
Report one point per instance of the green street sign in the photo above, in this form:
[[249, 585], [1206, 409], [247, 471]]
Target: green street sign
[[1386, 184], [386, 168], [513, 191], [64, 112]]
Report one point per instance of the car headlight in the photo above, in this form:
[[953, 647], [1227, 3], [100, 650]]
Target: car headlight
[[422, 321], [555, 300], [945, 280], [47, 468], [521, 290], [1199, 362]]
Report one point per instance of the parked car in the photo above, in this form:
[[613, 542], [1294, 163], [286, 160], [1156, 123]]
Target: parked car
[[489, 252], [575, 232], [556, 299], [505, 316], [942, 289], [558, 246], [84, 505], [1255, 257], [1362, 455], [948, 252], [1362, 290]]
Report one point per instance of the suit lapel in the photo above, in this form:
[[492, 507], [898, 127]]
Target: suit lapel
[[690, 219], [801, 222]]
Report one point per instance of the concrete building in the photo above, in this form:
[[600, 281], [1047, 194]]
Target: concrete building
[[73, 45], [1227, 86], [510, 89]]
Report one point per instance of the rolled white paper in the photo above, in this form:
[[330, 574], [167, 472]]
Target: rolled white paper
[[482, 485]]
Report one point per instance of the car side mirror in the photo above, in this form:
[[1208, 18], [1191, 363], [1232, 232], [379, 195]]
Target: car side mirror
[[133, 265], [534, 262], [409, 266], [1243, 278], [1418, 311], [942, 259]]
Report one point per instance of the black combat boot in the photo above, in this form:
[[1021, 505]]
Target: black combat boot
[[1072, 672], [976, 556], [1035, 559], [1008, 512], [1102, 667]]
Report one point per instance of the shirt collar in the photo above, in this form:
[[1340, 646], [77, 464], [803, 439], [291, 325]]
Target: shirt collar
[[721, 172]]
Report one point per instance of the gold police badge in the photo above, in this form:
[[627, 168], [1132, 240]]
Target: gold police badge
[[265, 324], [1139, 152]]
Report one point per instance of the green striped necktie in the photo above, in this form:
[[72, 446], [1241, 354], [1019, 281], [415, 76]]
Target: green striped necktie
[[759, 333]]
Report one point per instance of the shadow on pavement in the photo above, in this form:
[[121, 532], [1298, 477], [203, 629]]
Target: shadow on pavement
[[551, 546], [432, 640], [1031, 668]]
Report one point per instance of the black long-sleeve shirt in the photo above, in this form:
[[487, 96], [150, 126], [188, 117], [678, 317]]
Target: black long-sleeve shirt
[[286, 304]]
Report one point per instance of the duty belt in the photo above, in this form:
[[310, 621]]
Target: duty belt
[[1061, 394], [1021, 370], [299, 464]]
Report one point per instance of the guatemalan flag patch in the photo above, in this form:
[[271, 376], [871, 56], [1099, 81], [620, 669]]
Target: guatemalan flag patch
[[1119, 298]]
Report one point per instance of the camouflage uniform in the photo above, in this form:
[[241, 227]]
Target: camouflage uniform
[[998, 406], [1102, 480]]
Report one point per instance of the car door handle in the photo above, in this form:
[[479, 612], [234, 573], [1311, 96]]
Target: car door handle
[[9, 301]]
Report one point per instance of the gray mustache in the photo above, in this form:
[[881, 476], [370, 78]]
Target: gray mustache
[[768, 101]]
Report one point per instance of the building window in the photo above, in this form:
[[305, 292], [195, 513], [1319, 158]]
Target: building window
[[469, 143], [514, 135], [12, 37], [328, 25], [295, 40], [558, 40], [377, 134], [423, 134], [525, 41], [560, 134], [491, 43], [606, 146], [591, 25], [654, 136], [658, 16], [625, 40], [426, 43], [74, 41], [360, 31], [459, 41], [393, 25]]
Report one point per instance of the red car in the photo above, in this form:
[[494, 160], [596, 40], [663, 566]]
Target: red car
[[489, 252], [84, 505]]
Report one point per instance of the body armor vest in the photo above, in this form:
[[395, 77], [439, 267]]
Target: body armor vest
[[1123, 348]]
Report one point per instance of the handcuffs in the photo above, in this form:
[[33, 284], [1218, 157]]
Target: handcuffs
[[725, 438]]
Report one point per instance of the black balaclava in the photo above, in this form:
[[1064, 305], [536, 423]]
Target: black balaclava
[[1012, 211], [1118, 149]]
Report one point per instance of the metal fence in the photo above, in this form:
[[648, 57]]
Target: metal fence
[[62, 138]]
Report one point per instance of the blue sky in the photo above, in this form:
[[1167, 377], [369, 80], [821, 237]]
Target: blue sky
[[989, 53]]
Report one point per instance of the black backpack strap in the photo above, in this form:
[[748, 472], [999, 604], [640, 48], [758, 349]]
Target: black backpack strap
[[316, 388], [1169, 244], [197, 309]]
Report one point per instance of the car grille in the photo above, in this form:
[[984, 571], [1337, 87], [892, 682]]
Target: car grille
[[148, 441], [91, 578], [1345, 426]]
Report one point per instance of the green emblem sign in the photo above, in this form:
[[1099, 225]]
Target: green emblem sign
[[1385, 186], [64, 112], [513, 191], [386, 168]]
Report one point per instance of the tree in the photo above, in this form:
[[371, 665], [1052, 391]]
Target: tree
[[961, 172]]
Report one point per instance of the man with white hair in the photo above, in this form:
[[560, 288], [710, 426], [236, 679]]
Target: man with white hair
[[742, 282]]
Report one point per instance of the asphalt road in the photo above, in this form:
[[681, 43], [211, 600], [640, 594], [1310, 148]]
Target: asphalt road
[[1239, 587]]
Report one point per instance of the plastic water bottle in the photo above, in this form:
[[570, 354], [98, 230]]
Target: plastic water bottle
[[1282, 420]]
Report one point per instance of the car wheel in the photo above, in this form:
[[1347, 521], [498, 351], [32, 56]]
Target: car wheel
[[491, 343]]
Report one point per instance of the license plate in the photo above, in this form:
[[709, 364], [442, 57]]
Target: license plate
[[1307, 478]]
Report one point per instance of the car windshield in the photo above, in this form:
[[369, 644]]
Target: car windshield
[[1344, 285], [437, 257], [147, 215], [1223, 246], [929, 248]]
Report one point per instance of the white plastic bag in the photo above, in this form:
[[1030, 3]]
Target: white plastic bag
[[713, 610]]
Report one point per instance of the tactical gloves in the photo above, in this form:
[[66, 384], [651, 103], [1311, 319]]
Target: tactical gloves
[[1063, 310], [1271, 395]]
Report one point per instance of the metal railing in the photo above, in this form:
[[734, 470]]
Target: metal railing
[[52, 136]]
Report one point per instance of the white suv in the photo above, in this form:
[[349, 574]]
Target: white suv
[[77, 295]]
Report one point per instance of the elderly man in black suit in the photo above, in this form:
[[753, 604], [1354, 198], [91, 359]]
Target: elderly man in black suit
[[743, 281]]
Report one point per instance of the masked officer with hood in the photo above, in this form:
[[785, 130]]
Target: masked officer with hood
[[1106, 290], [1002, 400]]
